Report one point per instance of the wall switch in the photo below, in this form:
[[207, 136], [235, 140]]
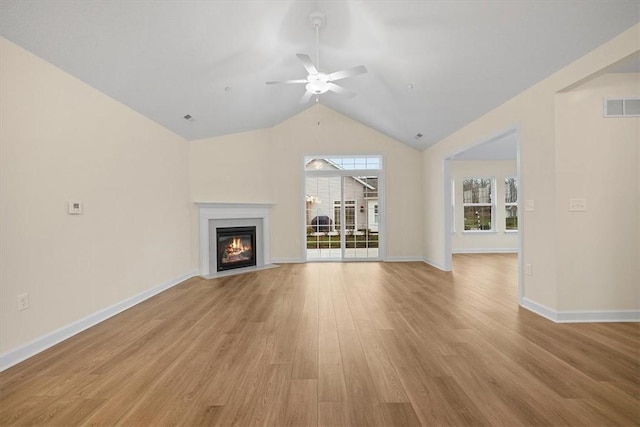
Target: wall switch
[[577, 205], [528, 270], [529, 205], [23, 302], [75, 208]]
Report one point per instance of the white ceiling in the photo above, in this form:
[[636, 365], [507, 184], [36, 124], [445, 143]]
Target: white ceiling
[[503, 148], [169, 58], [628, 65]]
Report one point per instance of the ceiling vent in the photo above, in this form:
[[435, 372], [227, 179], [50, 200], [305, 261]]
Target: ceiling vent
[[625, 107]]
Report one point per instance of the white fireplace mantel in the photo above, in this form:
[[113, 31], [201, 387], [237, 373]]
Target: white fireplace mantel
[[230, 211]]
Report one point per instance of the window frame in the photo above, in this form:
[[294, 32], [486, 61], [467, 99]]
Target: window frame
[[491, 204], [510, 204], [348, 204], [453, 206]]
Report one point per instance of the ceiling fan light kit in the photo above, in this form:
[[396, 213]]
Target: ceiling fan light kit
[[318, 82]]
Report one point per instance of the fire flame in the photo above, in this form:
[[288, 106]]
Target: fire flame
[[237, 245]]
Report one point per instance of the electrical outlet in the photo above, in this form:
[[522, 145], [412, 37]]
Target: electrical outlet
[[74, 208], [23, 302], [577, 205], [528, 270]]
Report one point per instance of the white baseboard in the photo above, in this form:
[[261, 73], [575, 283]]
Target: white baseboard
[[539, 309], [485, 251], [598, 316], [434, 263], [17, 355], [581, 316], [403, 259], [287, 260]]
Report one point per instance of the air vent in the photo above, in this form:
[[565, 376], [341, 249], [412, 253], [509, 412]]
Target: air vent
[[625, 107]]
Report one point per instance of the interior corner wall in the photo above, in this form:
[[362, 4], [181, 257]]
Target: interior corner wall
[[497, 240], [532, 113], [272, 172], [597, 159], [60, 141]]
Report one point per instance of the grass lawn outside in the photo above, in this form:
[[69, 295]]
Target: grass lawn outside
[[365, 240]]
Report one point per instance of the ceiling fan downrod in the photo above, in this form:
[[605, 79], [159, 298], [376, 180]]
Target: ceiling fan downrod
[[317, 22]]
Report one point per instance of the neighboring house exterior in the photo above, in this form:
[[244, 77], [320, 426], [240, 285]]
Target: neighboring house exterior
[[323, 198]]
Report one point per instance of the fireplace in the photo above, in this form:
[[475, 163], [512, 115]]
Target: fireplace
[[235, 247], [219, 215]]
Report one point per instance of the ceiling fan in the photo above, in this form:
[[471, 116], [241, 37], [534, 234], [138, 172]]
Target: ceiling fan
[[318, 82]]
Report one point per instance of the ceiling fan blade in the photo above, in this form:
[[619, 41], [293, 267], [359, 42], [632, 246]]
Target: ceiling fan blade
[[341, 90], [306, 97], [287, 82], [349, 72], [306, 62]]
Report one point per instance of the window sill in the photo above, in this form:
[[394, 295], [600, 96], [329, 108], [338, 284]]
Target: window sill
[[510, 231], [479, 232]]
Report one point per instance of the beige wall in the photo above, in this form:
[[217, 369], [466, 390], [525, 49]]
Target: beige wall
[[492, 241], [597, 159], [532, 113], [63, 140], [275, 166]]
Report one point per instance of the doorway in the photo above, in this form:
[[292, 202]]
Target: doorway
[[482, 199], [343, 208]]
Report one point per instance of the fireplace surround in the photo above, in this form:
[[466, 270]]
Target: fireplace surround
[[221, 215]]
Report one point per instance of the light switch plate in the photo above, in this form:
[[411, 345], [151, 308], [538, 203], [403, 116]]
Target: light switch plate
[[577, 205], [75, 208], [529, 205]]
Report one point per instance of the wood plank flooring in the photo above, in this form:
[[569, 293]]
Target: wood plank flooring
[[327, 344]]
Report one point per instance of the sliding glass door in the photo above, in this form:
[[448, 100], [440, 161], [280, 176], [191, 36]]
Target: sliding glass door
[[343, 208]]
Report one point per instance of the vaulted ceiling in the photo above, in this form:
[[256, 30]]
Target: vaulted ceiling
[[433, 66]]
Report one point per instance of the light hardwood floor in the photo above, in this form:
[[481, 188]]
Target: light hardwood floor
[[335, 344]]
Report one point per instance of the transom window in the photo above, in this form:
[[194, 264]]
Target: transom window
[[478, 203], [343, 163]]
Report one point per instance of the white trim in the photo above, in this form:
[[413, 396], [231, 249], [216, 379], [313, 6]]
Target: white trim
[[19, 354], [539, 309], [598, 316], [382, 212], [435, 264], [520, 236], [581, 316], [288, 260], [485, 251], [303, 205], [403, 259], [447, 200]]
